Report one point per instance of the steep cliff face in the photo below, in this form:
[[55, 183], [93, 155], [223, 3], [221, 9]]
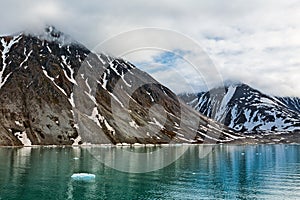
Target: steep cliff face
[[55, 91], [34, 87]]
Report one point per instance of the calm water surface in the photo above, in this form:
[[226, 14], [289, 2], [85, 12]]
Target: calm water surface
[[227, 172]]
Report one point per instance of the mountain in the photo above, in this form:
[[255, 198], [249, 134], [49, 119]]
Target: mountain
[[246, 109], [56, 91]]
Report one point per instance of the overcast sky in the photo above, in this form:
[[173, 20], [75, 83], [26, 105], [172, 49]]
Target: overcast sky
[[251, 41]]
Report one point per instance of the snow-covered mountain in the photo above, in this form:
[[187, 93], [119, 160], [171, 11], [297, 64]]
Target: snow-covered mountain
[[55, 91], [245, 109]]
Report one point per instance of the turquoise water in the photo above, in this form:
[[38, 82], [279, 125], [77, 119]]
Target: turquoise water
[[226, 172]]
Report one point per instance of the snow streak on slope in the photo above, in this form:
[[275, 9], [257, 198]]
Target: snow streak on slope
[[27, 55], [6, 48], [222, 110], [245, 109]]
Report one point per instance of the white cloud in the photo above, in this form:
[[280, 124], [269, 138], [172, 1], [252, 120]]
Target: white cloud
[[256, 41]]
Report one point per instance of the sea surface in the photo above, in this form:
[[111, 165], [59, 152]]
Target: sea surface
[[199, 172]]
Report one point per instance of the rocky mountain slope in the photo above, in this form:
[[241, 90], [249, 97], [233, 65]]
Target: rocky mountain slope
[[245, 109], [55, 91]]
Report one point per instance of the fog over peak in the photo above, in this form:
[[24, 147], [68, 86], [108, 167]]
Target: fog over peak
[[255, 42]]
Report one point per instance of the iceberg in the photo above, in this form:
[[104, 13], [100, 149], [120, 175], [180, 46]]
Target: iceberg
[[83, 177]]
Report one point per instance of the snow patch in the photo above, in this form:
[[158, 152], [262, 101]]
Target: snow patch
[[18, 123], [26, 58], [111, 129], [53, 81], [156, 123], [89, 64], [116, 98], [68, 50], [71, 100], [88, 86], [76, 141], [22, 136], [234, 113], [104, 81], [71, 78], [76, 126], [228, 96], [101, 60], [149, 93], [91, 97], [267, 101], [133, 124], [50, 51], [96, 117], [6, 48], [123, 78]]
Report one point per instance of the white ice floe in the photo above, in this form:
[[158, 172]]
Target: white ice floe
[[83, 177], [138, 144]]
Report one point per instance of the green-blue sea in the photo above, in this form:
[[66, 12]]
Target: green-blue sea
[[222, 172]]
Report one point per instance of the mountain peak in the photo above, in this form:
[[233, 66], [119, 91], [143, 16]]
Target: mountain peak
[[248, 110], [51, 34], [228, 83]]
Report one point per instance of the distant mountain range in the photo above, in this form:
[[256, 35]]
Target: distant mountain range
[[247, 110], [56, 91]]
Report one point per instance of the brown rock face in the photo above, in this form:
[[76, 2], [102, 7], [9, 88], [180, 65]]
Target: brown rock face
[[54, 93]]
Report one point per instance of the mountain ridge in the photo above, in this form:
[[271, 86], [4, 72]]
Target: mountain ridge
[[64, 94], [246, 109]]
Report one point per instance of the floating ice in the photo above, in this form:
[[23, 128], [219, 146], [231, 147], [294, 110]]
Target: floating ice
[[83, 177]]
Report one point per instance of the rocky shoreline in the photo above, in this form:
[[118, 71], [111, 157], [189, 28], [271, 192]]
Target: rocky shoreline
[[283, 138]]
